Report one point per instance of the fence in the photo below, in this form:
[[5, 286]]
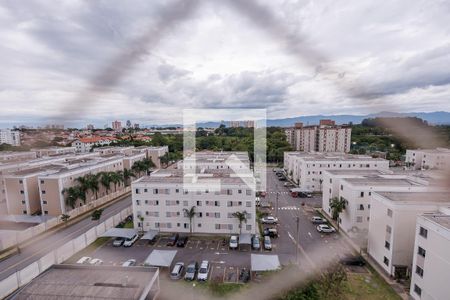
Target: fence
[[21, 236], [24, 276]]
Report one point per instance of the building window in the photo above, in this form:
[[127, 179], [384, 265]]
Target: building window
[[248, 227], [43, 192], [248, 192], [24, 212], [421, 251], [45, 212], [387, 245], [417, 290], [199, 203], [419, 271], [155, 191], [248, 204], [423, 232], [342, 187], [388, 229], [389, 212], [386, 261], [216, 203], [361, 207], [137, 191], [359, 219], [21, 192], [239, 191], [23, 202], [199, 225], [44, 201], [138, 202], [362, 194], [145, 190], [42, 181], [20, 181], [177, 190]]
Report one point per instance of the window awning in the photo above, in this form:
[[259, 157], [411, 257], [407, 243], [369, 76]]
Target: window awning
[[261, 262], [160, 258], [126, 233], [150, 235], [245, 239]]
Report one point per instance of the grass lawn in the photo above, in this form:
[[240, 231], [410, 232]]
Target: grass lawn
[[128, 224], [368, 286], [223, 289]]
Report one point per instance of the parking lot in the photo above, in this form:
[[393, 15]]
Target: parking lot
[[291, 246], [226, 264]]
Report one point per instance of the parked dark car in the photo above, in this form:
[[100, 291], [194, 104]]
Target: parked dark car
[[173, 240], [353, 261], [244, 276], [272, 232], [182, 241]]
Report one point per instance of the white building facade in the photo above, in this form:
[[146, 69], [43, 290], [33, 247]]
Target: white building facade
[[10, 137], [306, 168], [431, 256], [392, 227], [160, 201], [423, 159]]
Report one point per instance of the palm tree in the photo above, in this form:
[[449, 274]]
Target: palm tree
[[65, 218], [127, 174], [242, 217], [190, 213], [116, 178], [83, 184], [164, 159], [337, 205], [105, 180], [74, 193], [92, 183]]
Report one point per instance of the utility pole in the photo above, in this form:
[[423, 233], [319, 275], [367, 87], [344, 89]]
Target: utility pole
[[276, 208], [298, 237]]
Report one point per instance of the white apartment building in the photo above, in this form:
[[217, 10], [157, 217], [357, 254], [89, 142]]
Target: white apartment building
[[392, 227], [216, 160], [10, 156], [306, 168], [357, 194], [423, 159], [216, 193], [431, 256], [325, 137], [84, 145], [51, 185], [10, 137], [52, 151]]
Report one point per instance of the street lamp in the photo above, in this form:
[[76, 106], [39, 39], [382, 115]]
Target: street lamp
[[297, 220]]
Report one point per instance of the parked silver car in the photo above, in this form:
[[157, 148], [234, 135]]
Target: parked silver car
[[177, 271]]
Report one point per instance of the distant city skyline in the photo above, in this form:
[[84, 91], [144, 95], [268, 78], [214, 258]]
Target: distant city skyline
[[201, 62]]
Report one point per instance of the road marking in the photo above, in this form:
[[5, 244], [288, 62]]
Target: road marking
[[302, 250], [309, 233]]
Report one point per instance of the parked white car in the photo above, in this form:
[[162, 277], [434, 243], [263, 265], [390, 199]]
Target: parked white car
[[96, 262], [269, 220], [234, 242], [84, 260], [203, 272], [325, 228], [118, 241], [130, 241], [318, 220], [129, 263]]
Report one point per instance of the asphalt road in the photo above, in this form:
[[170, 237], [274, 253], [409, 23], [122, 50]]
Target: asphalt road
[[34, 251], [314, 248]]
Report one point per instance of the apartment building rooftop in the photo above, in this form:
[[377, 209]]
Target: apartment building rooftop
[[331, 156], [86, 282], [37, 170], [381, 181], [439, 218], [358, 172], [177, 176], [417, 197], [85, 164]]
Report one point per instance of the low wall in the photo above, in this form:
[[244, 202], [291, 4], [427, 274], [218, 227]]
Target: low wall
[[60, 254], [21, 236]]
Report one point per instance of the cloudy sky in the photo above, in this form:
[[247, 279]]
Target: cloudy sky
[[95, 61]]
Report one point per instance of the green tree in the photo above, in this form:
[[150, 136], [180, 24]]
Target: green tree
[[190, 213], [106, 180], [242, 217], [337, 205], [65, 218], [72, 194], [127, 174], [116, 178], [97, 214]]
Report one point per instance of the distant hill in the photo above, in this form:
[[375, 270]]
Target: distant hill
[[436, 118]]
